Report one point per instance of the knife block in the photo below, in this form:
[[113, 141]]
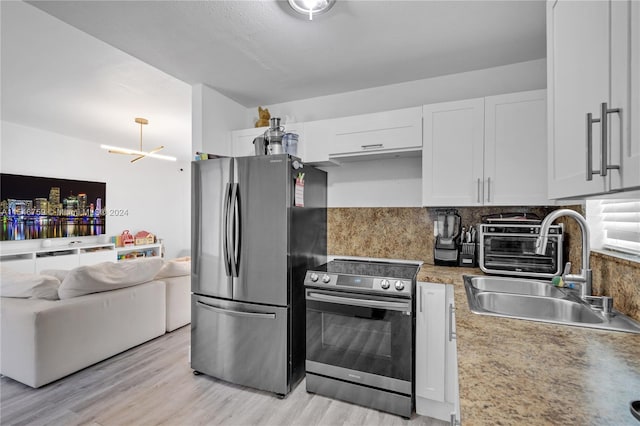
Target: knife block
[[468, 255]]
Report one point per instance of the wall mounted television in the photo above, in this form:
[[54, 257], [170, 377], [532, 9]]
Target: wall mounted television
[[34, 207]]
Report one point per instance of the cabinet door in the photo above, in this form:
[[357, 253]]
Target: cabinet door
[[453, 153], [314, 148], [515, 149], [56, 260], [88, 257], [388, 131], [242, 141], [578, 82], [451, 381], [631, 142], [430, 341]]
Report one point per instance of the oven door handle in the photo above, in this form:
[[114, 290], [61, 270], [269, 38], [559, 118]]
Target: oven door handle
[[367, 303]]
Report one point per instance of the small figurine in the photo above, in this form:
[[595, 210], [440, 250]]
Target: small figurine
[[263, 117]]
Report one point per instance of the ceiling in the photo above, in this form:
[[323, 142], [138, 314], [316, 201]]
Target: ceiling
[[255, 52]]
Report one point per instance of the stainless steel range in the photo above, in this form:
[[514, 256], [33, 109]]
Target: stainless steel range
[[360, 333]]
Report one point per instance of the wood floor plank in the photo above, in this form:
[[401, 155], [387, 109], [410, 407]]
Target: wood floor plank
[[153, 384]]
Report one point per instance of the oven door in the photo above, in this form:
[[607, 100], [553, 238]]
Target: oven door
[[362, 339]]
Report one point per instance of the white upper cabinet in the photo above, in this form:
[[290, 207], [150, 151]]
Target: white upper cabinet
[[631, 147], [589, 60], [397, 132], [453, 153], [515, 149], [315, 146], [486, 151], [242, 140]]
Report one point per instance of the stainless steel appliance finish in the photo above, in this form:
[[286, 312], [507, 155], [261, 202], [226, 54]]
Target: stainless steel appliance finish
[[538, 300], [360, 333], [250, 249], [510, 249]]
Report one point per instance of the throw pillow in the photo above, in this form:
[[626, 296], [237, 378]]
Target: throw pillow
[[177, 267], [60, 274], [108, 276], [28, 286]]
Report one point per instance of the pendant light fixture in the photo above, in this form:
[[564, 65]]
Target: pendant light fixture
[[311, 8], [139, 153]]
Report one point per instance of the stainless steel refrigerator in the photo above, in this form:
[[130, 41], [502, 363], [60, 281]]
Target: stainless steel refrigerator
[[251, 247]]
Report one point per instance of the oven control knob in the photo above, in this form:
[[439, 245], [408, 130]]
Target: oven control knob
[[326, 278], [314, 277], [384, 284], [399, 285]]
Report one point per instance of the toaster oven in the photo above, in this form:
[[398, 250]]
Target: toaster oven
[[510, 249]]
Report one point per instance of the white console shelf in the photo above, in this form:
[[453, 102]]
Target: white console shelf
[[137, 251], [60, 257]]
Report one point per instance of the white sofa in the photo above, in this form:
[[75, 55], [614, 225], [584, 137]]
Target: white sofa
[[45, 340]]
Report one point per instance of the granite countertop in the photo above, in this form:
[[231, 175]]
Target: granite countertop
[[515, 372]]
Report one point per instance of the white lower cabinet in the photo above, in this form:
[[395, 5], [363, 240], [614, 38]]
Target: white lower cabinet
[[37, 260], [436, 357]]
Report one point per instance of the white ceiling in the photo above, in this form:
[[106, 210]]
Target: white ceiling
[[255, 52]]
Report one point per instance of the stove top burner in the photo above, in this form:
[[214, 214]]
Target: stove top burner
[[371, 268]]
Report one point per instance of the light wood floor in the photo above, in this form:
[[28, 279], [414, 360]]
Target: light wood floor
[[153, 384]]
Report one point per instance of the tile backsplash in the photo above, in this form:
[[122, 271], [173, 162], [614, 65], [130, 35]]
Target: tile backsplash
[[407, 233]]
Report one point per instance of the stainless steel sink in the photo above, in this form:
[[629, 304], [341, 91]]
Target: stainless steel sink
[[516, 286], [536, 307], [539, 301]]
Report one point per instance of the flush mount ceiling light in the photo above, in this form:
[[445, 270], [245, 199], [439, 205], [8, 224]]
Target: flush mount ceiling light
[[139, 153], [311, 7]]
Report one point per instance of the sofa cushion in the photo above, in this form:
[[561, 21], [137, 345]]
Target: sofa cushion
[[108, 276], [28, 286], [177, 267]]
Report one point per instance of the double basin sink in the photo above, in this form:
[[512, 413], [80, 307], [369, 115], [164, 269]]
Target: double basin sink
[[540, 301]]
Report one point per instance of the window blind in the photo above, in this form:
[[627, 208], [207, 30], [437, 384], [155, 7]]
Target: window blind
[[620, 221]]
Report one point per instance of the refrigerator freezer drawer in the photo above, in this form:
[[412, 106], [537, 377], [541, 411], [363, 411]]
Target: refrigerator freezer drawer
[[241, 343]]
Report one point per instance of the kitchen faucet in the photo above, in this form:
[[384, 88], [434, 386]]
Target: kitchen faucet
[[541, 246]]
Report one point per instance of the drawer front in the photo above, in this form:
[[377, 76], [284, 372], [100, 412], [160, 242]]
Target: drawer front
[[226, 338]]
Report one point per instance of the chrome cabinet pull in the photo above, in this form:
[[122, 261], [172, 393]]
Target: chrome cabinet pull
[[604, 131], [488, 190], [604, 142], [372, 146], [453, 421], [420, 296], [478, 190], [452, 334], [590, 121]]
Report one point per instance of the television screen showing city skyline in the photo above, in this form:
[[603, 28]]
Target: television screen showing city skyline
[[33, 207]]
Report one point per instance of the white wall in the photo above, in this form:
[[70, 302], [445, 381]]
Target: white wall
[[213, 117], [155, 193], [518, 77], [398, 182]]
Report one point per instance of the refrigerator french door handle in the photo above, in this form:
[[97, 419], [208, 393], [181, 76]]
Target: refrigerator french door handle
[[236, 230], [237, 313], [225, 233], [196, 220]]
